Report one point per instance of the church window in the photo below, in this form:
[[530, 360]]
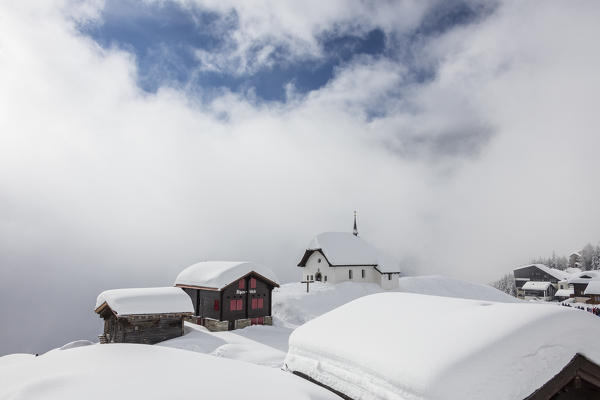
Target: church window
[[319, 260], [389, 277], [325, 278], [362, 272], [349, 274]]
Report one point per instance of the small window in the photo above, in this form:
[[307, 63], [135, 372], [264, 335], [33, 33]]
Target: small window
[[312, 277], [325, 278], [232, 305], [216, 305], [260, 302], [242, 284], [319, 260], [362, 273], [349, 274], [254, 303], [252, 283], [239, 305], [389, 277]]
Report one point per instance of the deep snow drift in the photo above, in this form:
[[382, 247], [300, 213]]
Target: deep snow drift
[[79, 370], [409, 346], [133, 371]]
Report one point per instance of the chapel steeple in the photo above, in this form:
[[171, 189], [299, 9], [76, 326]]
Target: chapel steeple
[[355, 231]]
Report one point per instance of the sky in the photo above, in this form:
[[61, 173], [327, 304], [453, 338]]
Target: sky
[[139, 137]]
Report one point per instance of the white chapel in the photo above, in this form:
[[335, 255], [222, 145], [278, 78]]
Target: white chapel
[[334, 257]]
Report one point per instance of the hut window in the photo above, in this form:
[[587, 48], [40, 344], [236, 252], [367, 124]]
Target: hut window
[[260, 303], [349, 274], [252, 283], [216, 305], [242, 284], [362, 272], [254, 303], [232, 305]]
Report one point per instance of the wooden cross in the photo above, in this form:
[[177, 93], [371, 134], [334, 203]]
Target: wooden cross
[[307, 282]]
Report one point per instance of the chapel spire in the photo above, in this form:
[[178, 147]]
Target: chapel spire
[[355, 231]]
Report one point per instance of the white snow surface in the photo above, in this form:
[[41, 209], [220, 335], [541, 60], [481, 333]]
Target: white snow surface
[[218, 274], [439, 347], [564, 292], [132, 371], [592, 288], [161, 300], [342, 248], [533, 285]]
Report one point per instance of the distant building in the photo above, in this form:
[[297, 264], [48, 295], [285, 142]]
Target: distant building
[[538, 291], [229, 294], [580, 283], [538, 275], [335, 257], [144, 315], [593, 292], [564, 291]]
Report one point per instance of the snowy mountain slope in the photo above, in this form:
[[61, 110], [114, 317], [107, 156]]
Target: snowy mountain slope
[[129, 371], [440, 348]]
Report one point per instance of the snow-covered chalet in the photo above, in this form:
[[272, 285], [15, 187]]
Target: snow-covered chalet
[[229, 295], [334, 257]]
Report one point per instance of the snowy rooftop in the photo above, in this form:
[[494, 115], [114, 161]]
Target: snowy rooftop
[[593, 288], [441, 348], [564, 292], [557, 273], [342, 248], [162, 300], [585, 277], [531, 285], [218, 274]]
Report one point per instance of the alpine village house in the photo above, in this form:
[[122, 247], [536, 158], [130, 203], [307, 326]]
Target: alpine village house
[[229, 295]]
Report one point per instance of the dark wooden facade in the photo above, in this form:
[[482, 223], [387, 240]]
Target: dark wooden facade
[[579, 289], [578, 380], [248, 297], [532, 273], [143, 329]]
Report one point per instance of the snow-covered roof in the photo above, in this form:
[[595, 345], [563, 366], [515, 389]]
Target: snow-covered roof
[[592, 288], [343, 248], [564, 292], [161, 300], [557, 273], [441, 348], [584, 277], [218, 274], [532, 285]]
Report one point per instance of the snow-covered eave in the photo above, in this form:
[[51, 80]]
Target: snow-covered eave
[[272, 283], [387, 272], [309, 252], [105, 305]]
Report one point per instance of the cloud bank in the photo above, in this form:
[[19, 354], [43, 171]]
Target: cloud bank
[[467, 148]]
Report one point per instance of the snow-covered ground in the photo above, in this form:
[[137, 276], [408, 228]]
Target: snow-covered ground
[[133, 371], [266, 346], [398, 346]]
